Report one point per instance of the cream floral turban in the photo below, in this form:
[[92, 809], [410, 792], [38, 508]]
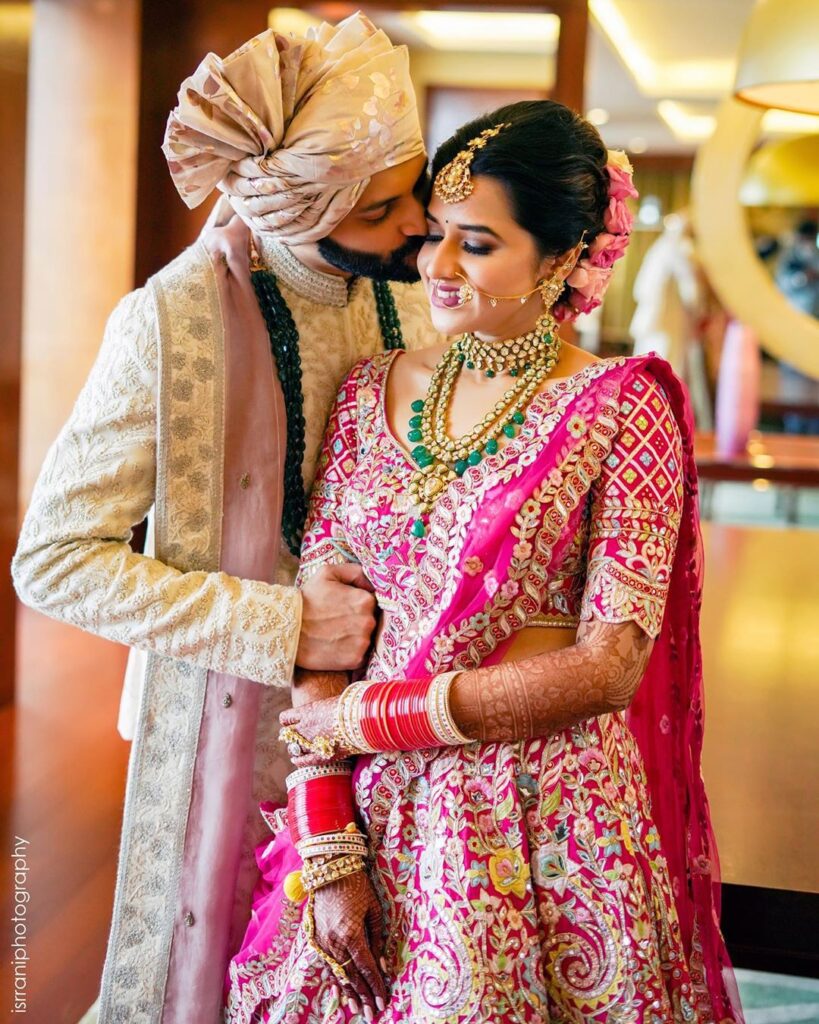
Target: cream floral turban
[[292, 129]]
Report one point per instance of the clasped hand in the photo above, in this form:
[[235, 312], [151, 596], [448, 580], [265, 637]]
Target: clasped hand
[[314, 720]]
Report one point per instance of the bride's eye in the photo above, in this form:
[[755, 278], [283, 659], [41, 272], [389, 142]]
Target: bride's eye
[[433, 238], [477, 250]]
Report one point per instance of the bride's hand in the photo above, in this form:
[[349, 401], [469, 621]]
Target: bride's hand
[[317, 718], [348, 926]]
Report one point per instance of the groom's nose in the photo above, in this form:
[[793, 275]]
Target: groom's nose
[[413, 221]]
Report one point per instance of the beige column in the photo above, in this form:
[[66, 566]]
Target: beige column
[[80, 203]]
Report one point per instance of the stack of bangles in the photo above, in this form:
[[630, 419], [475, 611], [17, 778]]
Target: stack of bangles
[[322, 826], [405, 714]]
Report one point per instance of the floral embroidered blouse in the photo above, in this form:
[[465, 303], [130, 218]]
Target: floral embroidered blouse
[[619, 564]]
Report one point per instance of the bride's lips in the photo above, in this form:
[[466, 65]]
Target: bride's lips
[[445, 296]]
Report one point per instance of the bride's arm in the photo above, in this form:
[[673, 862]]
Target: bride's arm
[[635, 513], [545, 693]]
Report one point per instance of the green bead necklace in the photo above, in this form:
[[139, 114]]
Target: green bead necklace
[[284, 343], [528, 360]]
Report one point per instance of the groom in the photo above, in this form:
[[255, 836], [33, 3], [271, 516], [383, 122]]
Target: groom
[[316, 147]]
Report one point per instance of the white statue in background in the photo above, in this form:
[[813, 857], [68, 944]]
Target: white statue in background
[[670, 300]]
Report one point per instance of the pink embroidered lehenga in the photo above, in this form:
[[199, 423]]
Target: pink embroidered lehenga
[[567, 878]]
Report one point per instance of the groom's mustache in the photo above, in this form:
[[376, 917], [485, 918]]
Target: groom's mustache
[[399, 265]]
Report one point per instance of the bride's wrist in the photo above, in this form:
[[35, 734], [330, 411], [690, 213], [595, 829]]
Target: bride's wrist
[[398, 715]]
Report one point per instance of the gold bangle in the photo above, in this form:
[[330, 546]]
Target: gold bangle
[[316, 876], [440, 714], [347, 718]]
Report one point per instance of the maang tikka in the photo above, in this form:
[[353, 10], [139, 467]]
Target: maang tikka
[[453, 183]]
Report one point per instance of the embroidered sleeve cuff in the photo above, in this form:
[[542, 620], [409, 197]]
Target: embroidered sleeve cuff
[[264, 634], [615, 593], [294, 638]]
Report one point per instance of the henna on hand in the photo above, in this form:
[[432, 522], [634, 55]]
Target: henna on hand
[[309, 685], [548, 692], [349, 925]]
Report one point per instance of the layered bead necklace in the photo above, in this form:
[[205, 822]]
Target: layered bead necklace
[[528, 359], [284, 343]]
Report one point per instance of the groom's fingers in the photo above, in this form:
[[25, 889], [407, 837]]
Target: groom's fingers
[[351, 574]]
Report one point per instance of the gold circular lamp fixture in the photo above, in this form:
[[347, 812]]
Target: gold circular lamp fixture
[[779, 57], [726, 247], [783, 173]]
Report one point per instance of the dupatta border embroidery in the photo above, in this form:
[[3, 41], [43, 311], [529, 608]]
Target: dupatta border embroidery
[[450, 518], [551, 505], [190, 453]]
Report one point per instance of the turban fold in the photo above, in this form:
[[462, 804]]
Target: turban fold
[[292, 129]]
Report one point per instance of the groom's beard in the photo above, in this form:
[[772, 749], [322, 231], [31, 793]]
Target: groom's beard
[[400, 265]]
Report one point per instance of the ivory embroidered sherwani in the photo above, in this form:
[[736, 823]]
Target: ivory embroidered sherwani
[[182, 419]]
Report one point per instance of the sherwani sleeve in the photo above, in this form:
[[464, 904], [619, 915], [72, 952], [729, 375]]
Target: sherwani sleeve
[[73, 560]]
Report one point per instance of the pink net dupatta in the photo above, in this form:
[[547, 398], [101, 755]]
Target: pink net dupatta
[[666, 717]]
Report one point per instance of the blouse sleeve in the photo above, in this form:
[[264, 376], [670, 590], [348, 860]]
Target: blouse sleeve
[[636, 505], [324, 538]]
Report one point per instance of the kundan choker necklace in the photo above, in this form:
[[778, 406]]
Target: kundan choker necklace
[[512, 356], [284, 343], [440, 458]]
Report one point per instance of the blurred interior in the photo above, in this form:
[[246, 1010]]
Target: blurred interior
[[88, 211]]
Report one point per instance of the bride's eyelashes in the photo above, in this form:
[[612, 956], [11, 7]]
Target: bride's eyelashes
[[473, 250]]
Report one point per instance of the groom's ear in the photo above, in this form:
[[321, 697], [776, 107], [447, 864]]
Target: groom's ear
[[423, 187]]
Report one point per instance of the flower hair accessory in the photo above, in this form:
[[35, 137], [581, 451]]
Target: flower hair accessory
[[591, 276]]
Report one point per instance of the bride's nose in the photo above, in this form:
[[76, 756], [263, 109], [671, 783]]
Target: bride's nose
[[443, 264]]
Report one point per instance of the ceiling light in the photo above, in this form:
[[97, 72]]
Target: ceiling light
[[637, 145], [686, 126], [676, 78], [485, 30], [779, 63], [598, 116]]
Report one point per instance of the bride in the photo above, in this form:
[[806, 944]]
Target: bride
[[505, 820]]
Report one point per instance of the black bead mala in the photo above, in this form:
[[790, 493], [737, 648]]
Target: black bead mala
[[284, 343]]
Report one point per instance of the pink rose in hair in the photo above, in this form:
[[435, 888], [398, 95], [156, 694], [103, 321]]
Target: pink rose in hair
[[618, 219], [620, 186], [585, 305], [588, 284], [606, 249], [562, 312], [589, 281]]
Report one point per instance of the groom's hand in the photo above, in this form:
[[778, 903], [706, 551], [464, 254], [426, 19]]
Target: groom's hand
[[338, 619]]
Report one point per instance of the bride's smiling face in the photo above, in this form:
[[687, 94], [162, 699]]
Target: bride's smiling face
[[480, 240]]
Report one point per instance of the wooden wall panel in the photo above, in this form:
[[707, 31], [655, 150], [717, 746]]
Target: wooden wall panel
[[175, 38], [15, 28]]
